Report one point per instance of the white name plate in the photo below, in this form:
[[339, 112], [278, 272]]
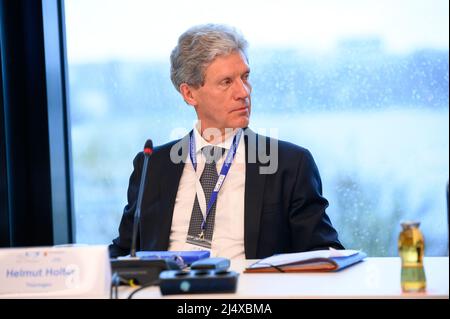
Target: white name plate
[[55, 272]]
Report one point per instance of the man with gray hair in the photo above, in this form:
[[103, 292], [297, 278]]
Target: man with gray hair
[[216, 189]]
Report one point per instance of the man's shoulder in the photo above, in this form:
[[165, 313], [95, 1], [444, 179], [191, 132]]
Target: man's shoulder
[[290, 153], [291, 147], [165, 148], [175, 148]]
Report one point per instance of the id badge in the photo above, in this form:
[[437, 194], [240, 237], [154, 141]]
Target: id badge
[[197, 241]]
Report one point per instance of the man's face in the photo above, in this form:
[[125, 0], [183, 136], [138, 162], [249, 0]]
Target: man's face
[[224, 99]]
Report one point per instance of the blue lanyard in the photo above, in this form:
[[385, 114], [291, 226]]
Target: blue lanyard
[[223, 171]]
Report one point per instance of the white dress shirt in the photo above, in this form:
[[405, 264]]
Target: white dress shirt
[[228, 235]]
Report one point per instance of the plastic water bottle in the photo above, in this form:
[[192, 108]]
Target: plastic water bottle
[[411, 247]]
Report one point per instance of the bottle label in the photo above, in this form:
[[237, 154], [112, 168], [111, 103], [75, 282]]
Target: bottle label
[[413, 274]]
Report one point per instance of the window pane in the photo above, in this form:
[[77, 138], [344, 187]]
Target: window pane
[[362, 84]]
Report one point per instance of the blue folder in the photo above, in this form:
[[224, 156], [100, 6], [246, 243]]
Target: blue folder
[[319, 260], [183, 258]]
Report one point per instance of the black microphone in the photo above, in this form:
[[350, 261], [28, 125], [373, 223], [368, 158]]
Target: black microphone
[[140, 271], [148, 150]]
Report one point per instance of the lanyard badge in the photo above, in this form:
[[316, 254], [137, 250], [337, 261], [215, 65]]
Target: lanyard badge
[[223, 174]]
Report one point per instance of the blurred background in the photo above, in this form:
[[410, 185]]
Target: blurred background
[[362, 84]]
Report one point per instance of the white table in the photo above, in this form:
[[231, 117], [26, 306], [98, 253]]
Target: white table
[[377, 277]]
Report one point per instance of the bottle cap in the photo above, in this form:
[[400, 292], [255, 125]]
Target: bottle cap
[[410, 224]]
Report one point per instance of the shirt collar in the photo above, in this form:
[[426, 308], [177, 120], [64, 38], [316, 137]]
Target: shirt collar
[[200, 142]]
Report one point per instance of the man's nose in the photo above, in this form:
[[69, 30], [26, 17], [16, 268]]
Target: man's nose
[[242, 89]]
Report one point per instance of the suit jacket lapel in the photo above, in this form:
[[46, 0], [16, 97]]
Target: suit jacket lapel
[[254, 190]]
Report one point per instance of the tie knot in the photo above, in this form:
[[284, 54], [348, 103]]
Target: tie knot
[[212, 153]]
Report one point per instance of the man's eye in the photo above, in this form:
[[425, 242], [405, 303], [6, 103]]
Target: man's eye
[[226, 82]]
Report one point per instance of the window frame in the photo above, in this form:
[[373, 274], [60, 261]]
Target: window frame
[[36, 188]]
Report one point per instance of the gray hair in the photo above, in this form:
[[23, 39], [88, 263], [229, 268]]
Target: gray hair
[[198, 47]]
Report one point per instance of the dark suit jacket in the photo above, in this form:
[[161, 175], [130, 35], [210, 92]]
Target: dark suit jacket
[[284, 211]]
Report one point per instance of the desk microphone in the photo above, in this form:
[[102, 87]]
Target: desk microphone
[[141, 271], [148, 150]]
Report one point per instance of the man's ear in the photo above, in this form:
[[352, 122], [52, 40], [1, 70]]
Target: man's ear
[[186, 93]]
